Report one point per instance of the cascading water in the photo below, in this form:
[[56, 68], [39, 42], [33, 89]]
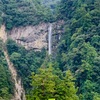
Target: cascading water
[[50, 39]]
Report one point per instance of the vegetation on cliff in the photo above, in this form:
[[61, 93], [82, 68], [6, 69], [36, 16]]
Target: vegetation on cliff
[[23, 13], [79, 49], [6, 85], [74, 73]]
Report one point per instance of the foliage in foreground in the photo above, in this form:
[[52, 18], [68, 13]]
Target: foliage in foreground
[[46, 84]]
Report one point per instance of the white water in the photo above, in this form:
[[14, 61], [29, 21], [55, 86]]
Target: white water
[[19, 93], [50, 40]]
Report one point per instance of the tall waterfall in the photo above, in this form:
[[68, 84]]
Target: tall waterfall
[[50, 40]]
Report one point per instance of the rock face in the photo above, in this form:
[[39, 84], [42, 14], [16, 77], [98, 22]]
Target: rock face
[[19, 93], [3, 33], [35, 37]]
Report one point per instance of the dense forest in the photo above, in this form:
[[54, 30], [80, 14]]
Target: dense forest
[[74, 72], [23, 12]]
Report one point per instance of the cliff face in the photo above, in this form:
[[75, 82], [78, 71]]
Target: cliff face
[[36, 37], [3, 33]]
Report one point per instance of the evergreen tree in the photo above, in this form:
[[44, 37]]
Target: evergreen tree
[[47, 85], [43, 84]]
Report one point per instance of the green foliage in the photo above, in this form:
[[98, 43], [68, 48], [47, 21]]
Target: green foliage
[[1, 13], [6, 86], [23, 13], [43, 84], [79, 49], [96, 96], [46, 84], [25, 61]]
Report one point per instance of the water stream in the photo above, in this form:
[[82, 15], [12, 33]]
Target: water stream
[[50, 40]]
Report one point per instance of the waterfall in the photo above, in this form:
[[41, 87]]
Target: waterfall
[[50, 39]]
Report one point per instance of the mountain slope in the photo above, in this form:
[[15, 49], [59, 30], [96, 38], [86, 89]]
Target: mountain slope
[[72, 71], [79, 49], [23, 13]]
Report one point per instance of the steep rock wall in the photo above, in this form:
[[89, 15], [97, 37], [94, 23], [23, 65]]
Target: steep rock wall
[[3, 33], [35, 37]]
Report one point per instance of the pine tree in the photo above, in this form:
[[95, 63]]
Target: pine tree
[[66, 89], [43, 84]]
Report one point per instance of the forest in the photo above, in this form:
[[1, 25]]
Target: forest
[[74, 72]]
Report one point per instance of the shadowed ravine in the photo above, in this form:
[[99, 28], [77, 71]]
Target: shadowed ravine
[[19, 93]]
